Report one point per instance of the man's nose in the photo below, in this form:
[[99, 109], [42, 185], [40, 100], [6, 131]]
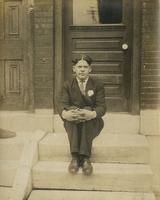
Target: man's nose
[[82, 68]]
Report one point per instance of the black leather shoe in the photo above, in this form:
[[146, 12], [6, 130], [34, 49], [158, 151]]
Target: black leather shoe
[[87, 167], [73, 166]]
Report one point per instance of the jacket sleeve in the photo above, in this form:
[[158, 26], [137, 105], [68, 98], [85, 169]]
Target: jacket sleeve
[[100, 107], [63, 102]]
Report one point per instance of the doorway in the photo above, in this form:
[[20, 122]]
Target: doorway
[[114, 45], [103, 30]]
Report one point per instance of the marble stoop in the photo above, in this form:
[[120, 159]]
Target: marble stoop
[[120, 163], [88, 195], [10, 152], [106, 177], [115, 123], [11, 148], [111, 148], [8, 170], [5, 193]]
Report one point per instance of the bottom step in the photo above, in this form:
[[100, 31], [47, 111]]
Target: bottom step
[[8, 170], [5, 193], [88, 195], [108, 177]]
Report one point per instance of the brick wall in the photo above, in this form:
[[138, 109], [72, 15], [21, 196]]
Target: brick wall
[[43, 78], [150, 70]]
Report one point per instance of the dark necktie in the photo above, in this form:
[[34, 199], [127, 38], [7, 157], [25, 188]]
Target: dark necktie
[[81, 86]]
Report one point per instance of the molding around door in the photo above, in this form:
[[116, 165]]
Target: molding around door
[[136, 61], [58, 46]]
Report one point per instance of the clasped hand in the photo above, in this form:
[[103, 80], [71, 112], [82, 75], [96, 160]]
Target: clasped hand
[[78, 115]]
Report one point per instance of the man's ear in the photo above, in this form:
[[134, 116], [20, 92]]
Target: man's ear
[[73, 68], [90, 69]]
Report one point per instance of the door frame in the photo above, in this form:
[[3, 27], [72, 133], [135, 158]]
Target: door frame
[[136, 57], [30, 55]]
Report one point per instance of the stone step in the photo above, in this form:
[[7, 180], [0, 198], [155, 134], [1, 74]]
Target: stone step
[[6, 193], [7, 172], [106, 148], [41, 119], [11, 148], [108, 177], [88, 195], [114, 123]]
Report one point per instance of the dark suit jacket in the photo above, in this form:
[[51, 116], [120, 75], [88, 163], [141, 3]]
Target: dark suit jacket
[[72, 96]]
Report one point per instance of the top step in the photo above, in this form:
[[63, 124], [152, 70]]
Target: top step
[[114, 123], [106, 148]]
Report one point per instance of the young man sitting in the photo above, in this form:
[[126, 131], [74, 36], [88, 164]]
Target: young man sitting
[[81, 106]]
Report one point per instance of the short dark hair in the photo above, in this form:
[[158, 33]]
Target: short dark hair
[[87, 58]]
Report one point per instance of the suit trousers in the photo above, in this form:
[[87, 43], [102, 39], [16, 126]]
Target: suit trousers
[[81, 135]]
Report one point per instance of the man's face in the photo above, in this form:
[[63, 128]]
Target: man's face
[[82, 69]]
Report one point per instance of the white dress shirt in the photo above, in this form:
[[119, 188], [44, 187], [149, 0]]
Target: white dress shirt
[[84, 82]]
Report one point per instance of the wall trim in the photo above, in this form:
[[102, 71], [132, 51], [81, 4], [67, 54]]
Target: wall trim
[[58, 49], [136, 62]]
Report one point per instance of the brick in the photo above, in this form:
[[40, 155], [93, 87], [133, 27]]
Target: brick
[[43, 79], [149, 95], [147, 84], [150, 75], [145, 105], [151, 72], [150, 78], [151, 89], [154, 66]]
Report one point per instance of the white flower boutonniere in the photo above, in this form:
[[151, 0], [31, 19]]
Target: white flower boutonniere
[[90, 93]]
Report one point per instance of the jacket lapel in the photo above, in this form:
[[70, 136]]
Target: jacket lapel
[[89, 86], [89, 91], [78, 97], [76, 93]]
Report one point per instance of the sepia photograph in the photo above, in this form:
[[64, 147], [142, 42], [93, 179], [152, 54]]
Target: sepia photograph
[[79, 99]]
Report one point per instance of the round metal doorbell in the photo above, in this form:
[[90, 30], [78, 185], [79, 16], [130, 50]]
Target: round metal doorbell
[[124, 46]]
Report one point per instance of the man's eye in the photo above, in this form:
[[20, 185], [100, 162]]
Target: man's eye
[[82, 66]]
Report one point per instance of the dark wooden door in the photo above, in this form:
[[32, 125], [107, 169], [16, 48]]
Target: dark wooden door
[[13, 74], [103, 30]]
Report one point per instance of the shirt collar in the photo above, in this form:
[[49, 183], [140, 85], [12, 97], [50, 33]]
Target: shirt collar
[[84, 82]]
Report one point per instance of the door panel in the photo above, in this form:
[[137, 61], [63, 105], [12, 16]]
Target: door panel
[[13, 17], [95, 44], [103, 42], [12, 55]]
